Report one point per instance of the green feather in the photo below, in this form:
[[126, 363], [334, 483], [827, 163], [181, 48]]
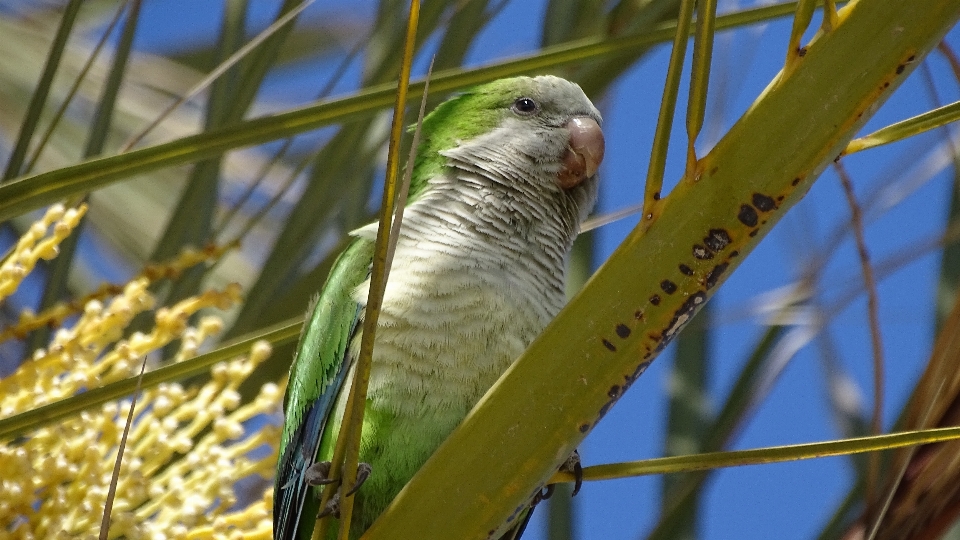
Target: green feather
[[316, 378], [472, 113]]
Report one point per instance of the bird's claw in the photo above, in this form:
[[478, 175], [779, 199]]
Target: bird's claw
[[541, 496], [363, 472], [332, 508], [318, 474], [572, 465]]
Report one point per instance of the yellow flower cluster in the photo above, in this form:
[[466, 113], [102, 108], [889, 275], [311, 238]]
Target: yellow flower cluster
[[187, 258], [187, 447], [35, 245]]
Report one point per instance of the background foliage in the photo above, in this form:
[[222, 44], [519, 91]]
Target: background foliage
[[783, 355]]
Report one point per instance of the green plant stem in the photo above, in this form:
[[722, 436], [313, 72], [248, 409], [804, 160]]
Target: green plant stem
[[760, 456]]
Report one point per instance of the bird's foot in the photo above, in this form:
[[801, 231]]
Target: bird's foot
[[545, 493], [572, 465], [318, 474], [363, 472], [332, 508]]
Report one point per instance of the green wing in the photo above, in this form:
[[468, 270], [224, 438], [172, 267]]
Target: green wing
[[316, 378]]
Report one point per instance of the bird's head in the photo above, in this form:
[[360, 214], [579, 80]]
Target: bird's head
[[520, 130]]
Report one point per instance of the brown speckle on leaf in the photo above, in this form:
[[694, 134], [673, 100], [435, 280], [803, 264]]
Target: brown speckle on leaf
[[702, 253], [681, 317], [640, 369], [764, 203], [715, 274], [748, 215], [717, 239]]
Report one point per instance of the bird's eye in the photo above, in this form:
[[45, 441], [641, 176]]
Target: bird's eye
[[525, 106]]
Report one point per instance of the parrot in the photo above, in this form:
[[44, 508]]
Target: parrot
[[502, 179]]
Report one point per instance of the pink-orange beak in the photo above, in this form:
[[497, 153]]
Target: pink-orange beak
[[584, 152]]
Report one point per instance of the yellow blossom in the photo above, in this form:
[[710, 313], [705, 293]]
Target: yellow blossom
[[35, 244], [187, 448]]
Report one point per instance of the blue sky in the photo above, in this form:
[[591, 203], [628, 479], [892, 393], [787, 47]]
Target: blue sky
[[771, 501]]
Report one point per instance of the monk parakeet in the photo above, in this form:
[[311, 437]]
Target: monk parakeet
[[503, 177]]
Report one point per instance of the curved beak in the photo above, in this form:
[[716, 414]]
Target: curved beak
[[584, 152]]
